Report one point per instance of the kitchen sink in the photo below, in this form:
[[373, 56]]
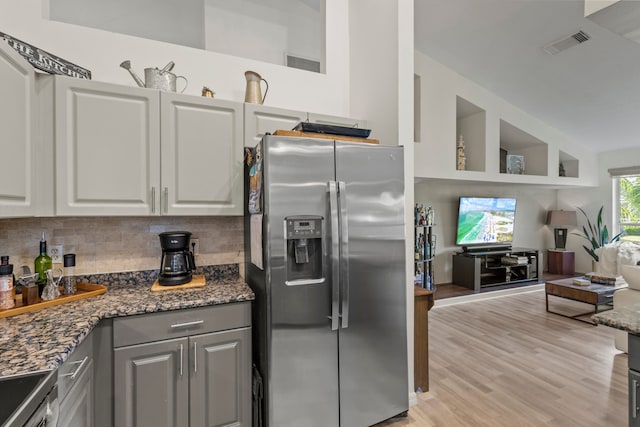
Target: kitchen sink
[[23, 395]]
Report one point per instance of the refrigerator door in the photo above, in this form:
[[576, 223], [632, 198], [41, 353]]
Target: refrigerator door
[[372, 338], [302, 378]]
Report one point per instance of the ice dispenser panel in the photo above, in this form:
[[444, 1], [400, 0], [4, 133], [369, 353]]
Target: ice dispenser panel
[[304, 250]]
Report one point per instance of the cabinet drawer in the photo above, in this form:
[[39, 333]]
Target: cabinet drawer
[[78, 362], [180, 323]]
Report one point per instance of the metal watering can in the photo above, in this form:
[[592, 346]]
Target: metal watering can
[[155, 78]]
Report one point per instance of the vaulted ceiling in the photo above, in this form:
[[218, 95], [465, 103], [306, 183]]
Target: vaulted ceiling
[[590, 92]]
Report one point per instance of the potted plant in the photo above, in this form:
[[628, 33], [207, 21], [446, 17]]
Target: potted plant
[[596, 234]]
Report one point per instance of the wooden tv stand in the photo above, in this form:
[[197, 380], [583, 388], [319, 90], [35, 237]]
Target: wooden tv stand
[[483, 268]]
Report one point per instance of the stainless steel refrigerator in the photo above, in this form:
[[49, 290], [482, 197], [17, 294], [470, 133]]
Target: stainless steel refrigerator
[[325, 256]]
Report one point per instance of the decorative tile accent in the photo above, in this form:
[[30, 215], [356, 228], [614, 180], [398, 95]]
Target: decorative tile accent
[[116, 244]]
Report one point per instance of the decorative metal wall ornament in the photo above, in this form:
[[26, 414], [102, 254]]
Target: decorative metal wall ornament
[[45, 61]]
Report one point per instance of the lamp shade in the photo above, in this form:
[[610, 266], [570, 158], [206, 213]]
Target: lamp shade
[[562, 218]]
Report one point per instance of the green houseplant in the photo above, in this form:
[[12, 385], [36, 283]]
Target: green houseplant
[[596, 234]]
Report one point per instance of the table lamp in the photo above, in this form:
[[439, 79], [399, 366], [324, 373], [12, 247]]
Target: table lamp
[[560, 220]]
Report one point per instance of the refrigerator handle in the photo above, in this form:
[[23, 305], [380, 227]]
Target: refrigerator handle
[[344, 253], [335, 256]]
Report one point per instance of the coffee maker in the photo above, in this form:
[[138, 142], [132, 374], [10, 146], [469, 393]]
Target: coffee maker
[[177, 263]]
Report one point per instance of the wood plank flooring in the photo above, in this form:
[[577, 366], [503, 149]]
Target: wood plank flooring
[[507, 362]]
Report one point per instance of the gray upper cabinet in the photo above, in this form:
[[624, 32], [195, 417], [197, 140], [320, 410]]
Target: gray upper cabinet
[[201, 151], [18, 122], [260, 119], [110, 140], [107, 140]]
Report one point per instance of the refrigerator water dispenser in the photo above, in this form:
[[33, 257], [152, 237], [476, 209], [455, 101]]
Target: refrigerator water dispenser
[[304, 250]]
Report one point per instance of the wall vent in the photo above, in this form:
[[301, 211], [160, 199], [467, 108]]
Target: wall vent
[[566, 42], [294, 61]]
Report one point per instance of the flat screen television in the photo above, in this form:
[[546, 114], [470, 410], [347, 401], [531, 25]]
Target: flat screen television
[[485, 220]]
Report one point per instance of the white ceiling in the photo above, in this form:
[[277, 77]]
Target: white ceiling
[[590, 92]]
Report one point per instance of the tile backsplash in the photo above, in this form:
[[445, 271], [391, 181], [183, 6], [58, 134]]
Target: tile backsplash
[[116, 244]]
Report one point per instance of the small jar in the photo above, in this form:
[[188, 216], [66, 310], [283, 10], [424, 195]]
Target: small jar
[[6, 287], [69, 286], [30, 294]]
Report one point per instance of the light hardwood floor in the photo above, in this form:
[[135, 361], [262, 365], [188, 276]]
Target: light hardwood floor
[[507, 362]]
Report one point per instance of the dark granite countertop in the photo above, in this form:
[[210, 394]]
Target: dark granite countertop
[[626, 318], [43, 340]]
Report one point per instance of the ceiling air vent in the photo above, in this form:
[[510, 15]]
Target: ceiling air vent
[[566, 42]]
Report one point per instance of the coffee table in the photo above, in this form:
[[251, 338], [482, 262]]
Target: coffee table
[[594, 294]]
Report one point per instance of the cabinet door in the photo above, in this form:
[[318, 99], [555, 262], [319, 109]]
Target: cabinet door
[[201, 156], [18, 124], [151, 384], [336, 120], [76, 410], [260, 119], [634, 398], [221, 379], [107, 148]]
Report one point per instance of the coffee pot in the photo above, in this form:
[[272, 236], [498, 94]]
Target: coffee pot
[[155, 78], [253, 93], [177, 263]]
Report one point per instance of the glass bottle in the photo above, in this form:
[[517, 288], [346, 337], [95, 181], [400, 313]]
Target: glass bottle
[[6, 287], [69, 286], [42, 264]]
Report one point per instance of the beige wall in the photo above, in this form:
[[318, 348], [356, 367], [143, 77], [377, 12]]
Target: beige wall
[[114, 244]]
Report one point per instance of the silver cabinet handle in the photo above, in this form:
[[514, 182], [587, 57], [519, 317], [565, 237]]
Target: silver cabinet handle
[[78, 369], [344, 253], [187, 324], [166, 200], [181, 360], [153, 199], [195, 357], [335, 256], [634, 399]]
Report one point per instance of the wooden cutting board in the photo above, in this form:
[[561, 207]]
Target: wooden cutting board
[[324, 136], [197, 281]]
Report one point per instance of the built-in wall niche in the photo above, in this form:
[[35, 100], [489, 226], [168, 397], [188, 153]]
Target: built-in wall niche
[[522, 153], [567, 165], [471, 125], [285, 32]]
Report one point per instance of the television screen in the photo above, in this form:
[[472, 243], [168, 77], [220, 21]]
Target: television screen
[[485, 220]]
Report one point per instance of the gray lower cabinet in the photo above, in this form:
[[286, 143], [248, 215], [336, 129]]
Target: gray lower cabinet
[[200, 375], [151, 384], [634, 379], [76, 387], [219, 391], [634, 399]]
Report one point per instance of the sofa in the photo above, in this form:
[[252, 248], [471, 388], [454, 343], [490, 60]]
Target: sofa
[[621, 259]]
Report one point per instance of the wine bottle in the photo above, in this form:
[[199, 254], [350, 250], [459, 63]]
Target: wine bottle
[[42, 263]]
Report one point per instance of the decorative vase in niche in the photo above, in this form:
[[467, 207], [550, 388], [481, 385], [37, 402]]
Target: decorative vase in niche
[[461, 161], [561, 170]]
